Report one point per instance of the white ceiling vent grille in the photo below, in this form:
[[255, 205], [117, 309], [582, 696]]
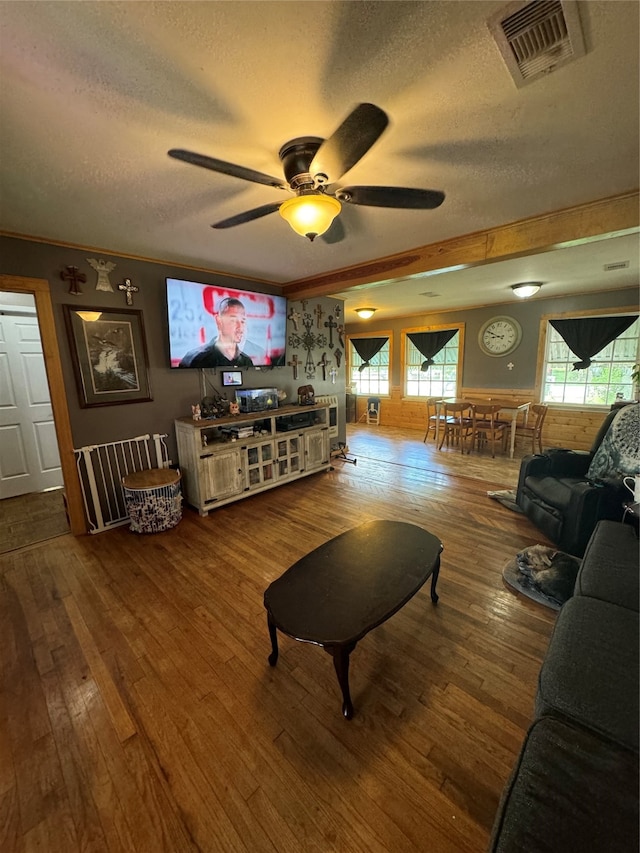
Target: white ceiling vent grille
[[616, 265], [537, 37]]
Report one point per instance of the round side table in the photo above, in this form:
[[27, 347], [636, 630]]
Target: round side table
[[153, 499]]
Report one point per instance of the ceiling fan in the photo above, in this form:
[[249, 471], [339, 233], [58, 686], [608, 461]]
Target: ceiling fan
[[311, 167]]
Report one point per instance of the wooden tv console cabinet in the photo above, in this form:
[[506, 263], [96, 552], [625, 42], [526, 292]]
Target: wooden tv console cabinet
[[217, 469]]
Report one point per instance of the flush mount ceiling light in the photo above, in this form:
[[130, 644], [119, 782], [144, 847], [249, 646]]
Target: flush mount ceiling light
[[526, 288], [310, 214], [365, 313]]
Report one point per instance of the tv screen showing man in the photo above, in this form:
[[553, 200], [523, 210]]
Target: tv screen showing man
[[212, 326], [225, 349]]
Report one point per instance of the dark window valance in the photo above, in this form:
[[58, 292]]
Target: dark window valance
[[587, 336], [429, 344], [367, 348]]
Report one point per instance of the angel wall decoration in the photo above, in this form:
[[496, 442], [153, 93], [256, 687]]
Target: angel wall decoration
[[103, 268]]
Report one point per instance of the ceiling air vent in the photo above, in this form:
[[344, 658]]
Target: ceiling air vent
[[537, 37], [616, 265]]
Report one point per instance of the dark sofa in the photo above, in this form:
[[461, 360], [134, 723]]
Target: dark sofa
[[575, 784]]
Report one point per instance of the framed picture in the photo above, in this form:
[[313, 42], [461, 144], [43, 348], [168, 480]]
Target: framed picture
[[109, 355]]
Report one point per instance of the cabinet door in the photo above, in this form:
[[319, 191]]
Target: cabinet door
[[316, 446], [260, 464], [221, 475], [290, 455]]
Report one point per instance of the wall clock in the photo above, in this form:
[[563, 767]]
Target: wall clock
[[499, 336]]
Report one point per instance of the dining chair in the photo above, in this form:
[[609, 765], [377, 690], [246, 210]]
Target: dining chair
[[456, 424], [534, 431], [373, 410], [485, 426], [432, 417]]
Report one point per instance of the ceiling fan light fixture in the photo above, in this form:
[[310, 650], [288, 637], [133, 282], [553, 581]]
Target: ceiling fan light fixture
[[526, 288], [365, 313], [310, 214]]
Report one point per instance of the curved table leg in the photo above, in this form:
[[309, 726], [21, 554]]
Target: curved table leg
[[273, 657], [434, 581], [340, 656]]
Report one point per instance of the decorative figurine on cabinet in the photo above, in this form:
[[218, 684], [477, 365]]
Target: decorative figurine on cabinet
[[306, 395], [196, 413]]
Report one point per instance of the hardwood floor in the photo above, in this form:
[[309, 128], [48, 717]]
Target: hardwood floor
[[139, 712]]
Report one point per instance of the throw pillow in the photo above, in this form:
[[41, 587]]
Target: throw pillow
[[619, 453]]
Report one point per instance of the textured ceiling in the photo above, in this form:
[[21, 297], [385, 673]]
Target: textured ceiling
[[93, 94]]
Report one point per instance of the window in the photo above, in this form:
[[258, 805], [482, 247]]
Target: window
[[441, 379], [607, 378], [375, 378]]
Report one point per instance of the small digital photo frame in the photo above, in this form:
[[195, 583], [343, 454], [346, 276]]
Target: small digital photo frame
[[231, 377]]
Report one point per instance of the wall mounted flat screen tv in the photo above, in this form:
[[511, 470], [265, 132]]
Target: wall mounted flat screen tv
[[213, 326]]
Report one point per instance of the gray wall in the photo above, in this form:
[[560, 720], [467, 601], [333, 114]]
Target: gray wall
[[173, 391], [480, 370]]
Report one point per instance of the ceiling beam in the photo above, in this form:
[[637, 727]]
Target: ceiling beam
[[596, 220]]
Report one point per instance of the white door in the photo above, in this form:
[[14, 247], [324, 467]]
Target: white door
[[29, 458]]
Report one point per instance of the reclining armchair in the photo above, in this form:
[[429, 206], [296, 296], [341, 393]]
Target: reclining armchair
[[566, 492]]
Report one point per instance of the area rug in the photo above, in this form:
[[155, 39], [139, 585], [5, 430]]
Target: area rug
[[32, 518], [507, 497], [543, 574]]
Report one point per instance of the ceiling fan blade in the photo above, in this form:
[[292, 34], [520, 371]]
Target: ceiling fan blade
[[248, 215], [391, 197], [226, 168], [351, 141]]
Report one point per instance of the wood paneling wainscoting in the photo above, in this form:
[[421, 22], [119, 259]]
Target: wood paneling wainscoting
[[573, 428]]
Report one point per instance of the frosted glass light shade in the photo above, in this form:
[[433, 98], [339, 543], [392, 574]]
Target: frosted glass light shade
[[365, 313], [310, 215], [526, 289]]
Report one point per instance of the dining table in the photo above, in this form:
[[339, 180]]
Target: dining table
[[509, 409]]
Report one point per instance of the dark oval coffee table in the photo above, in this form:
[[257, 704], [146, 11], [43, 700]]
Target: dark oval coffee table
[[336, 594]]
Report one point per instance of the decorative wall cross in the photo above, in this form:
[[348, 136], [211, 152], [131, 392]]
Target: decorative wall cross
[[333, 373], [294, 316], [338, 356], [74, 278], [294, 363], [129, 289], [337, 311], [510, 366], [308, 341], [341, 331], [319, 315], [331, 325], [323, 364]]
